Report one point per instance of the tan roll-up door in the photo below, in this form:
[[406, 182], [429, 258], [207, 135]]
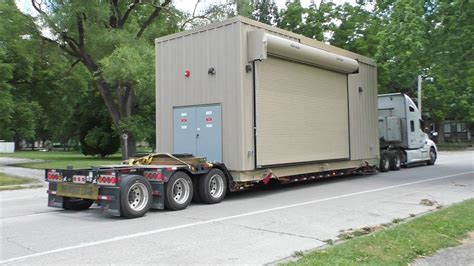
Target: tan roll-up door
[[301, 113]]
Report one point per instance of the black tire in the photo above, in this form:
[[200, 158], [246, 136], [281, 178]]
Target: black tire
[[178, 191], [196, 196], [74, 204], [136, 196], [213, 186], [395, 160], [384, 164], [433, 156]]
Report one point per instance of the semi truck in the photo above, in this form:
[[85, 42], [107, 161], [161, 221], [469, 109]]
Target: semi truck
[[401, 135], [241, 103]]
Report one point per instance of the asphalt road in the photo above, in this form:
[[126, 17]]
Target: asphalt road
[[255, 227]]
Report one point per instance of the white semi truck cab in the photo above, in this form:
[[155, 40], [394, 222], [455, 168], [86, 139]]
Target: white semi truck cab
[[402, 140]]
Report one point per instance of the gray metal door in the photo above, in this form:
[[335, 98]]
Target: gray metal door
[[197, 130], [184, 130], [208, 132]]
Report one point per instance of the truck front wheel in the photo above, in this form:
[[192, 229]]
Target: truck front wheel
[[179, 191], [213, 187], [384, 165], [75, 204], [395, 160], [433, 156], [136, 196]]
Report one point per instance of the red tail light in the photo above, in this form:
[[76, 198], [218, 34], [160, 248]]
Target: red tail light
[[107, 179], [54, 176], [153, 175]]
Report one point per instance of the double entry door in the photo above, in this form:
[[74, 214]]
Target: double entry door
[[197, 130]]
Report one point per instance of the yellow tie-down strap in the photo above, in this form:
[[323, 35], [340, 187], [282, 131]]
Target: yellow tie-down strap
[[146, 160]]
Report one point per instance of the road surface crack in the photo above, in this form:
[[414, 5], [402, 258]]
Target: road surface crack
[[20, 245], [278, 232]]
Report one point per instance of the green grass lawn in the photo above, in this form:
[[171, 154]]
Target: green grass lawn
[[6, 180], [454, 146], [62, 159], [401, 244]]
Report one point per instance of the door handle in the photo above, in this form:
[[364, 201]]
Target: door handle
[[197, 135]]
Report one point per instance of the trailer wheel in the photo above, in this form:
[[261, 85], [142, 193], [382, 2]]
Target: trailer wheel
[[136, 196], [179, 191], [213, 186], [433, 156], [384, 165], [395, 160], [75, 204]]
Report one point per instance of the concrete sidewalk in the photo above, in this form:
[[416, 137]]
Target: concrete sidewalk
[[7, 168], [459, 255]]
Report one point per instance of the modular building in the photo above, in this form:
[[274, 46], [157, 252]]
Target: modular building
[[260, 99]]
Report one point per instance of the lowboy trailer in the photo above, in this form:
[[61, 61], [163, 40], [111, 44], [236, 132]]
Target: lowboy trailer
[[131, 190], [240, 103]]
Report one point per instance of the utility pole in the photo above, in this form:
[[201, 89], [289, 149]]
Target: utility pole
[[419, 93]]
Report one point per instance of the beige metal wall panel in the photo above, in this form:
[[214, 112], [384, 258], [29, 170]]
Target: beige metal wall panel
[[247, 88], [223, 45], [363, 113], [301, 112], [197, 51]]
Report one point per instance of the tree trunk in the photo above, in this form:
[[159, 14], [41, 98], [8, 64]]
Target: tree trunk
[[440, 132], [129, 147], [17, 143], [120, 113]]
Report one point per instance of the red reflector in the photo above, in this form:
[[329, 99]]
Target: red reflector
[[184, 120], [159, 176], [107, 180], [209, 119], [112, 180]]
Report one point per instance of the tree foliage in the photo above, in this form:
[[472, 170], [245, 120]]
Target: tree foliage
[[75, 52]]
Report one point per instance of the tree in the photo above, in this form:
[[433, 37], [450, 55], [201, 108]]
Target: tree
[[94, 127], [18, 49], [402, 51], [291, 18], [105, 35], [358, 29], [244, 8], [319, 20], [266, 11], [449, 87], [40, 85]]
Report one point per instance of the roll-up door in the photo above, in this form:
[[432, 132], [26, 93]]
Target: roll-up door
[[301, 113]]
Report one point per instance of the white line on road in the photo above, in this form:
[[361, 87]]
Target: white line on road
[[151, 232]]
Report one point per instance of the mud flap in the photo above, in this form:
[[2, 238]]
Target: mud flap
[[110, 206], [54, 200], [158, 195]]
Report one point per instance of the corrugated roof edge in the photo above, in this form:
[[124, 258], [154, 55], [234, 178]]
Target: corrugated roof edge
[[303, 39]]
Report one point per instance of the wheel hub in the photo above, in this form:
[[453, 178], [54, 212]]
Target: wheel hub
[[180, 191], [216, 186], [138, 196]]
